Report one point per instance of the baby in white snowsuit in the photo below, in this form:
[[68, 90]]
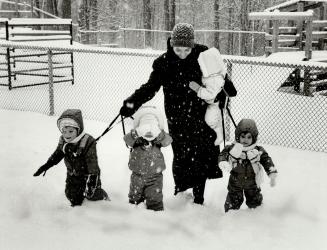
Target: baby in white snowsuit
[[213, 75], [146, 159]]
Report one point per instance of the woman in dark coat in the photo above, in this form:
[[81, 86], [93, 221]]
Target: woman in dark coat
[[195, 155]]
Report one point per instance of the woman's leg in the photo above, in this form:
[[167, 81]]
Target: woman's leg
[[198, 192]]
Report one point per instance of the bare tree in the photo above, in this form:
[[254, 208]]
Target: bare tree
[[51, 7], [172, 14], [88, 20], [64, 8], [216, 22], [166, 15], [147, 24], [244, 26]]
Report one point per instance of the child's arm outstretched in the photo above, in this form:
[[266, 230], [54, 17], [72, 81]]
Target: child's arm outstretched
[[268, 165], [54, 159]]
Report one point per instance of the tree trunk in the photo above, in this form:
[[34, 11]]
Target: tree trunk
[[64, 8], [166, 15], [51, 7], [84, 21], [216, 23], [147, 12], [37, 5], [244, 27], [172, 14], [230, 44]]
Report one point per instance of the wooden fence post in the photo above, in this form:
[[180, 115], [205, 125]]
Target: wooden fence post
[[308, 39], [275, 36]]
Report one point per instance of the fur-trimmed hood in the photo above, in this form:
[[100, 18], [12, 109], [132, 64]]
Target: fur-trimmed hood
[[246, 125], [75, 115]]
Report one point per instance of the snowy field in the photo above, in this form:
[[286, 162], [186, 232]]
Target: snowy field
[[36, 215]]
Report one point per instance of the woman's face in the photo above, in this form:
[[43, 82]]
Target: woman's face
[[182, 52]]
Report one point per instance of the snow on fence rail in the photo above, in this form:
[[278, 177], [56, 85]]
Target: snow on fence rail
[[104, 77]]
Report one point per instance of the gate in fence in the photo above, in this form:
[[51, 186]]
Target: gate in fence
[[35, 65]]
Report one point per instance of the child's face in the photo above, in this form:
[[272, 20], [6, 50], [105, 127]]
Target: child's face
[[182, 52], [69, 133], [246, 139]]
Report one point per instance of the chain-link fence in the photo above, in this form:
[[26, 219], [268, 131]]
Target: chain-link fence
[[287, 100]]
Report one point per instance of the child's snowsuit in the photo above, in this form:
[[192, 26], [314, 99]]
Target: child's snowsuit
[[83, 172], [213, 75], [246, 174], [147, 161]]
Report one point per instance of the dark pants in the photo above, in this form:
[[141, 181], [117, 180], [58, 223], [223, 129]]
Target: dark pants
[[148, 189], [198, 192], [240, 186], [75, 187]]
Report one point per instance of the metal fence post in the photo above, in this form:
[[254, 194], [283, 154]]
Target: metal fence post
[[228, 119], [8, 57], [51, 92]]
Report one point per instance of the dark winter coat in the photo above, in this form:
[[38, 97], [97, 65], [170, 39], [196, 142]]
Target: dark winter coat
[[81, 157], [147, 160], [242, 168], [195, 155]]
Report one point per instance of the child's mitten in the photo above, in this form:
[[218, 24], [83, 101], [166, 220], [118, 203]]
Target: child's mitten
[[236, 151], [225, 166], [194, 86], [43, 169], [91, 185], [273, 177]]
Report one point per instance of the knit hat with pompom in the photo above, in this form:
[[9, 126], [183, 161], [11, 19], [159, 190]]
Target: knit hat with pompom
[[182, 36]]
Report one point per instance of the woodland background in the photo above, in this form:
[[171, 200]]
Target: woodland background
[[92, 17]]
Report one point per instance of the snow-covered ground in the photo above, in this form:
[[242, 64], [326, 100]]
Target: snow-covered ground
[[36, 215]]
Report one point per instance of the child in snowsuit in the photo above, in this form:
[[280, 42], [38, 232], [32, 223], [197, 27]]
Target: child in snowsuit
[[146, 159], [244, 160], [213, 75], [78, 150]]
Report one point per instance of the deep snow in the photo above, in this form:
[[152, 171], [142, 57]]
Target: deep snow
[[36, 215]]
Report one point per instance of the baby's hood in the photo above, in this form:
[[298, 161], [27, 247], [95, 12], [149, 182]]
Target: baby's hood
[[144, 110]]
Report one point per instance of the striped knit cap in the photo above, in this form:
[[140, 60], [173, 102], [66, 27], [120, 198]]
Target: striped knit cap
[[182, 36]]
